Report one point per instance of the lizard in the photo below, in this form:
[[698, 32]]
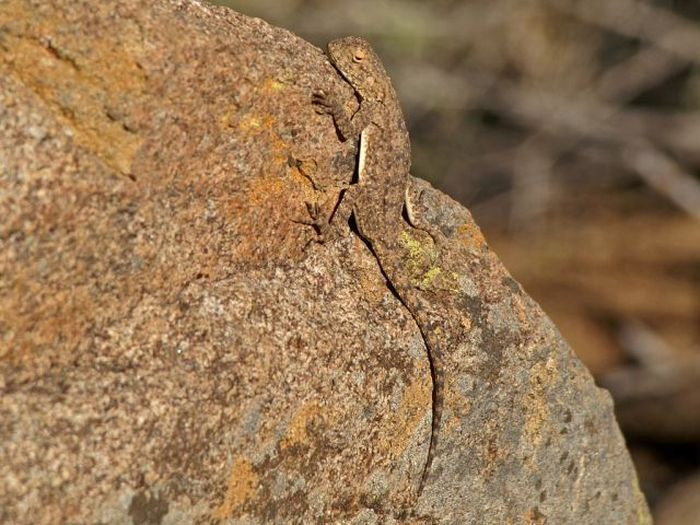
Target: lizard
[[379, 201]]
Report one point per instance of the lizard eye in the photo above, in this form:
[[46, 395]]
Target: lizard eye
[[359, 55]]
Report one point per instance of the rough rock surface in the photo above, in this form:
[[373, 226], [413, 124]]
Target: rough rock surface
[[175, 347]]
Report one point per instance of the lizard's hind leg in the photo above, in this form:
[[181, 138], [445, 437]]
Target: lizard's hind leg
[[329, 227], [316, 221], [414, 213], [343, 212]]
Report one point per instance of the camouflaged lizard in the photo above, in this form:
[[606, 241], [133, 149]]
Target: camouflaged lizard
[[379, 200]]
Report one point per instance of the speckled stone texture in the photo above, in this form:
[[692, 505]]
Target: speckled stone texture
[[176, 347]]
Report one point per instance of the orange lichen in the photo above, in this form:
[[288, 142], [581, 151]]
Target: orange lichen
[[534, 517], [302, 181], [296, 432], [272, 85], [47, 317], [241, 487], [78, 86], [471, 234], [267, 189], [262, 127], [406, 418]]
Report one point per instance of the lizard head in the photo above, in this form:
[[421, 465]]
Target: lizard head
[[359, 64]]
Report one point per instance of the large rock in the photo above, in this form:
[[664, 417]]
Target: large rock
[[176, 347]]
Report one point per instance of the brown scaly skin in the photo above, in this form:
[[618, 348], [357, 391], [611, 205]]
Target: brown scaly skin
[[378, 198]]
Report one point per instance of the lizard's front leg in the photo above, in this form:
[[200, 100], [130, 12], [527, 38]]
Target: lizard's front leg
[[348, 125]]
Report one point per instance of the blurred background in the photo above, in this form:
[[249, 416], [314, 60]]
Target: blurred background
[[571, 130]]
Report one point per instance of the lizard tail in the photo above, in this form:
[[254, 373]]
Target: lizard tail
[[435, 425]]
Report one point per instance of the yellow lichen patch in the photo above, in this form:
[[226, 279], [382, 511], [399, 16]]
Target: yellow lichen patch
[[79, 86], [241, 487], [406, 418], [296, 432], [429, 276], [414, 247], [420, 261]]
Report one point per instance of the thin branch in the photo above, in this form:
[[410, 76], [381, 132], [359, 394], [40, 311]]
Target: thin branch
[[643, 70], [588, 119]]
